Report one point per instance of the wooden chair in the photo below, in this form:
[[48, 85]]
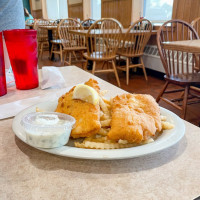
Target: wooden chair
[[133, 45], [176, 64], [102, 44], [196, 25], [71, 43], [42, 35], [87, 23]]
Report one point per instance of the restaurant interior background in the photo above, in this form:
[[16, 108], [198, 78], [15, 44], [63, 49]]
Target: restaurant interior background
[[111, 142], [126, 12]]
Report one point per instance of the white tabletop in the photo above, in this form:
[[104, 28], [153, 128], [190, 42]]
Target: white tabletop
[[27, 173]]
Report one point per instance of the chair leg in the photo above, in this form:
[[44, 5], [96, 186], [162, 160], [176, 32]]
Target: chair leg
[[107, 65], [65, 57], [38, 49], [85, 65], [74, 54], [51, 53], [127, 71], [81, 55], [103, 64], [143, 67], [185, 102], [116, 74], [93, 67], [162, 91], [61, 53], [70, 58], [41, 49], [81, 59]]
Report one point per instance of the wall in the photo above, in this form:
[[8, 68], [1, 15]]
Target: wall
[[186, 10], [36, 8], [75, 9], [71, 2], [137, 10], [36, 5], [118, 9]]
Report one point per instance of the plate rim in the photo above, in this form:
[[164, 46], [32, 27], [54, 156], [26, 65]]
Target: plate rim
[[104, 155]]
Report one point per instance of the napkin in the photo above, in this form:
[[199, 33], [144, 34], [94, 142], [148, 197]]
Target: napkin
[[52, 78], [10, 80], [11, 109]]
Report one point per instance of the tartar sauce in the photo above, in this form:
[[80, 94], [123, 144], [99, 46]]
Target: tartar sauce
[[47, 129]]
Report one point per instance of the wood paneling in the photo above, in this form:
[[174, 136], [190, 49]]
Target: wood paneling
[[186, 10], [37, 14], [75, 10], [118, 9]]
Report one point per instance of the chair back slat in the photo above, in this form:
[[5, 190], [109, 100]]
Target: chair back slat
[[103, 43], [70, 40], [176, 62]]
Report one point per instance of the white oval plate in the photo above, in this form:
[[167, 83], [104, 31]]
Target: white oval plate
[[167, 139]]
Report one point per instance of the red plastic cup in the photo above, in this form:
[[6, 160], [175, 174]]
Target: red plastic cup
[[22, 50], [3, 88]]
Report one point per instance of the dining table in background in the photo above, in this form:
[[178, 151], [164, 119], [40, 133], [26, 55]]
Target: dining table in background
[[189, 46], [99, 32], [28, 173], [50, 29]]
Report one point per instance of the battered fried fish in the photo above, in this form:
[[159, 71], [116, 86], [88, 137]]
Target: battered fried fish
[[135, 118], [87, 115]]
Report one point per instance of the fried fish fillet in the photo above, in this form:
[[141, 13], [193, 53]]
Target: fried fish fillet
[[86, 114], [135, 118], [148, 104]]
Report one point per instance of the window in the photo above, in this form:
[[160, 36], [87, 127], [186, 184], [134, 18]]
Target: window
[[158, 10], [63, 9], [96, 9], [55, 9]]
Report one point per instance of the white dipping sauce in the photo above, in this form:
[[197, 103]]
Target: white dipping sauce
[[47, 130]]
